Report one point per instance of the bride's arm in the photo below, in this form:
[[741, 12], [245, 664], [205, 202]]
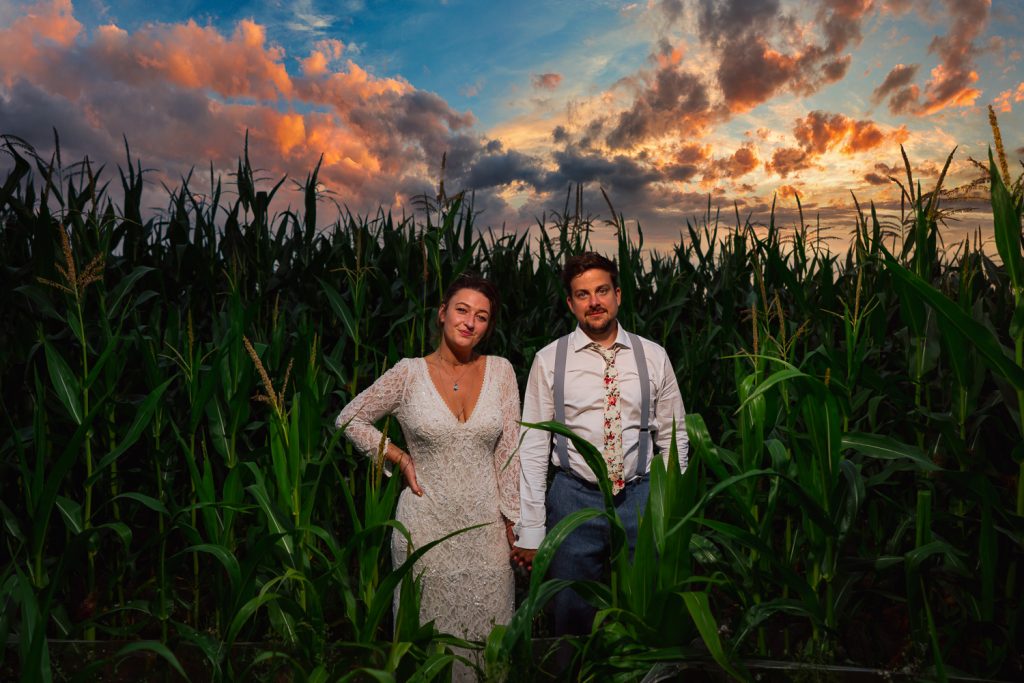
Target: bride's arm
[[383, 397], [506, 452]]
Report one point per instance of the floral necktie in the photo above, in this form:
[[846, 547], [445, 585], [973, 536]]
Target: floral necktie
[[612, 419]]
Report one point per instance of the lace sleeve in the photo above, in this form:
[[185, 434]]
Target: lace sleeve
[[381, 398], [506, 452]]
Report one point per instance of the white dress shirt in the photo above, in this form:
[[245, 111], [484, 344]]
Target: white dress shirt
[[584, 414]]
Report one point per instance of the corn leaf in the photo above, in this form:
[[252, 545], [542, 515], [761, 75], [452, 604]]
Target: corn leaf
[[64, 382], [1006, 226], [976, 334], [699, 607], [157, 648]]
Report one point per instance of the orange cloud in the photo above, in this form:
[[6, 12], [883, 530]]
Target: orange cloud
[[788, 191], [788, 160], [949, 88], [44, 29], [1002, 102], [185, 94], [197, 57], [671, 56], [739, 163], [687, 161], [820, 132], [345, 89], [289, 132], [326, 52], [951, 82]]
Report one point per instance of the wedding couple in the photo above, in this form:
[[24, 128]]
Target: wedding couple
[[469, 462]]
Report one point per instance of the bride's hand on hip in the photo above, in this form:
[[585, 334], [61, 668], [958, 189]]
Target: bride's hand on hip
[[408, 469]]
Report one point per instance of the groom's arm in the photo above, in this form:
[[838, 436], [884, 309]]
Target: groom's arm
[[669, 409], [534, 455]]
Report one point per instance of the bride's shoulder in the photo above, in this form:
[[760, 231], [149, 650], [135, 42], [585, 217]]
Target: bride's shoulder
[[501, 363], [404, 366]]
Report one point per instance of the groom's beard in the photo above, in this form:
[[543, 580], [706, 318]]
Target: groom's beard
[[594, 326]]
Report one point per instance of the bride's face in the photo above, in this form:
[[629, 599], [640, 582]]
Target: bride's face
[[464, 319]]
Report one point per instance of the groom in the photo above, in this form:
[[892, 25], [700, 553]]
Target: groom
[[619, 392]]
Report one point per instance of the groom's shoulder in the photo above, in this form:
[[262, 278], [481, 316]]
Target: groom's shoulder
[[544, 357], [548, 351], [650, 343], [652, 349]]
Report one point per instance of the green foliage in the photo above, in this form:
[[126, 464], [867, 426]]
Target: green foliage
[[172, 476]]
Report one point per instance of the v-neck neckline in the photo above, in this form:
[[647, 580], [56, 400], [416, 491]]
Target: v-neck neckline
[[440, 396]]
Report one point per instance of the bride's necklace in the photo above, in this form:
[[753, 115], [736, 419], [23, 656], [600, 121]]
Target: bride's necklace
[[451, 374]]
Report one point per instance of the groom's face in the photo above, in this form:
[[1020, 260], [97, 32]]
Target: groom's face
[[594, 300]]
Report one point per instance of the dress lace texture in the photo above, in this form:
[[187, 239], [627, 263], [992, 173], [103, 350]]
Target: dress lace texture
[[469, 473]]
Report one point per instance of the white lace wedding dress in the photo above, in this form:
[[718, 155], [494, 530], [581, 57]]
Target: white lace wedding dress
[[469, 473]]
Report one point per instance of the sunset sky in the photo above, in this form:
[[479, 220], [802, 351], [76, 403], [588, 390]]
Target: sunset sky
[[662, 104]]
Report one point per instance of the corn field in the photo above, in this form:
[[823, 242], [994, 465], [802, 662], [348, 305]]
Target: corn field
[[172, 486]]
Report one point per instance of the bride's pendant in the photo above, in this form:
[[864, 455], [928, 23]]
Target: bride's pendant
[[455, 387]]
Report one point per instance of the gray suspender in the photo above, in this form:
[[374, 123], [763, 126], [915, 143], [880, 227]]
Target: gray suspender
[[645, 404], [561, 444]]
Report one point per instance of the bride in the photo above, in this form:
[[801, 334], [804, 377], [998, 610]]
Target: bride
[[459, 413]]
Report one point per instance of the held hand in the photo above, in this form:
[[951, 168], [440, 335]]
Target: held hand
[[523, 557], [509, 533], [408, 469]]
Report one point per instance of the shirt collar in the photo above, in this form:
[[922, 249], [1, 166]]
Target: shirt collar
[[579, 339]]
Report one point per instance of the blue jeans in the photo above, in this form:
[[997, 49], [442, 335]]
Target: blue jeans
[[585, 553]]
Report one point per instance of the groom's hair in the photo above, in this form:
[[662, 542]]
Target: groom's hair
[[581, 263], [477, 284]]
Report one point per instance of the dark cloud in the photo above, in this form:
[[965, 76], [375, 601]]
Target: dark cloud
[[687, 162], [675, 100], [905, 100], [788, 160], [548, 81], [672, 9], [719, 19], [834, 70], [841, 20], [896, 80], [506, 168], [887, 170], [752, 72], [875, 179], [752, 68], [32, 114], [617, 173], [592, 132], [681, 172]]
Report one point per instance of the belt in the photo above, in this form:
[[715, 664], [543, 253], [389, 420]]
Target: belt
[[593, 485]]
